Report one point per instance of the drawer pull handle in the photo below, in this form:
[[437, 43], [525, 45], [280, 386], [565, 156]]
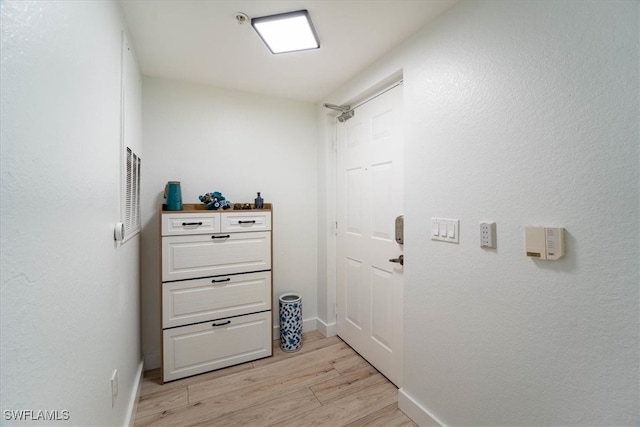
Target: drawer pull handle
[[220, 324], [228, 279], [184, 224], [247, 222], [226, 236]]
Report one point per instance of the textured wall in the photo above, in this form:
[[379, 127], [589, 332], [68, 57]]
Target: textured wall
[[523, 113], [220, 140], [70, 304]]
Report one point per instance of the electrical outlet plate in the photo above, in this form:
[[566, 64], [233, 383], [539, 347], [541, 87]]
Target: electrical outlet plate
[[487, 234], [114, 387]]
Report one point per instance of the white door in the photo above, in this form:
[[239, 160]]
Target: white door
[[369, 198]]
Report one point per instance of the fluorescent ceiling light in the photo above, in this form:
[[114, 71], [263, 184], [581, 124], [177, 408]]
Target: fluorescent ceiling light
[[287, 32]]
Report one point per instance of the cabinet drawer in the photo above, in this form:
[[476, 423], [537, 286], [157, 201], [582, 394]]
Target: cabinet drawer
[[194, 301], [246, 221], [191, 257], [181, 223], [195, 349]]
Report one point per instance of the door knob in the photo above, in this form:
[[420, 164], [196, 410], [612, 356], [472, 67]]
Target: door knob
[[399, 260]]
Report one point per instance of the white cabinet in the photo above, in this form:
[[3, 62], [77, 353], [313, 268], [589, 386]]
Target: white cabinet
[[190, 223], [203, 347], [199, 300], [203, 255], [216, 289], [245, 221]]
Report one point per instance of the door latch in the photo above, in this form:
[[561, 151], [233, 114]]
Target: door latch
[[399, 260]]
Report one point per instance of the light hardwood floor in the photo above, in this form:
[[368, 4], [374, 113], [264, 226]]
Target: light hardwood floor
[[325, 383]]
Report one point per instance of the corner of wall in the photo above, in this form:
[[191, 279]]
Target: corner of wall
[[327, 329], [416, 412]]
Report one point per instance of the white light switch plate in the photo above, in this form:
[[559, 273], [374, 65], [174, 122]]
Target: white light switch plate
[[445, 230]]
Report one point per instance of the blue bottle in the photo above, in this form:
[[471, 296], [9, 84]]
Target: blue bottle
[[259, 203]]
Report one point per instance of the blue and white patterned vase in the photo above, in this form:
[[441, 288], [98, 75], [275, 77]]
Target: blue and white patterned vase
[[290, 322]]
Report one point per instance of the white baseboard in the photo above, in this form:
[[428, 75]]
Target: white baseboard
[[328, 330], [135, 393], [416, 412], [307, 325], [152, 361]]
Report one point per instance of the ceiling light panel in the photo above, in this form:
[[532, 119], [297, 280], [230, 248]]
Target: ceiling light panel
[[287, 32]]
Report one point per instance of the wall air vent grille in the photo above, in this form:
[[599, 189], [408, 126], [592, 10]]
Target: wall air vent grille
[[131, 215]]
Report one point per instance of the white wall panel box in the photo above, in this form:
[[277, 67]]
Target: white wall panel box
[[487, 234], [544, 242]]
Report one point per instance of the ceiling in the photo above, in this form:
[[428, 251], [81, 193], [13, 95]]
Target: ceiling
[[200, 41]]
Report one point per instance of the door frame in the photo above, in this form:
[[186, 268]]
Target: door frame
[[328, 242]]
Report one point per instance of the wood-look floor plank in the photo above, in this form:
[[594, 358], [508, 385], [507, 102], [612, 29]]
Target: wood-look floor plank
[[389, 416], [221, 404], [271, 412], [162, 400], [214, 405], [350, 362], [266, 373], [326, 383], [348, 409], [346, 384], [153, 382], [308, 346]]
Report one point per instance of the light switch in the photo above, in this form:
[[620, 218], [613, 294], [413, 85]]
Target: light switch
[[451, 231], [445, 230]]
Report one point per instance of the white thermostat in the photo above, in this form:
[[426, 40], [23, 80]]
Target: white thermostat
[[544, 242]]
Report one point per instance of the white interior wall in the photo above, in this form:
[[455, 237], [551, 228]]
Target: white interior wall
[[523, 113], [70, 294], [326, 221], [236, 143]]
